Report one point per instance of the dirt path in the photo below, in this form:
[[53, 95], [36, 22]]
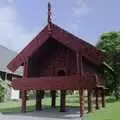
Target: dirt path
[[42, 115]]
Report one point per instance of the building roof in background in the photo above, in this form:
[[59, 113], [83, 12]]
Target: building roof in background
[[6, 55]]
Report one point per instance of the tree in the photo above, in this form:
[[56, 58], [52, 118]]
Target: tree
[[110, 43], [4, 85]]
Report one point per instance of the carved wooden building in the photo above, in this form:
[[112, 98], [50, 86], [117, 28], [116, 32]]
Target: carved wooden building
[[57, 60]]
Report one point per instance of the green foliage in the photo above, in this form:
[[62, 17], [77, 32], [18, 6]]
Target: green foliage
[[4, 85], [1, 94], [110, 43]]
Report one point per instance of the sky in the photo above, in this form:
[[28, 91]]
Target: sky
[[22, 20]]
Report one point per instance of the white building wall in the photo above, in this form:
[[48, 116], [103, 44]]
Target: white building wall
[[15, 94]]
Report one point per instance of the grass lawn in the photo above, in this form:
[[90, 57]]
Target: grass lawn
[[111, 112], [14, 106]]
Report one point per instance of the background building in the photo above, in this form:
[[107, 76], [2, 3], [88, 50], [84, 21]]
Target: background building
[[6, 56]]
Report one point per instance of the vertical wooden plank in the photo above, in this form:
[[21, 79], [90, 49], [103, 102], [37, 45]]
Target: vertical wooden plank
[[26, 69], [89, 101], [97, 98], [78, 63], [79, 66], [62, 100], [39, 96], [24, 97], [53, 95], [53, 92], [81, 103]]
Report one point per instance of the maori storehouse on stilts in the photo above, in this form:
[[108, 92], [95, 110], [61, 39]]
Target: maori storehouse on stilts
[[57, 60]]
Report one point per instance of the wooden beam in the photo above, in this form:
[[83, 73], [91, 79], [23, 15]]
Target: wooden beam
[[24, 97], [89, 101], [62, 100], [74, 82], [39, 96], [97, 98], [28, 50], [82, 90], [53, 95], [81, 93], [78, 62], [79, 66]]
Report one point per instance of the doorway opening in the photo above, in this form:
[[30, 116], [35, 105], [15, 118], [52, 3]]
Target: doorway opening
[[61, 72]]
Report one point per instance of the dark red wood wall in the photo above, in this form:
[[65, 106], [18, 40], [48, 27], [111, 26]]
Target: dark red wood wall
[[89, 66], [54, 56]]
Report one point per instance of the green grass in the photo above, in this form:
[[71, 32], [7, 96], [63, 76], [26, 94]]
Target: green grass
[[14, 106], [10, 106], [111, 112]]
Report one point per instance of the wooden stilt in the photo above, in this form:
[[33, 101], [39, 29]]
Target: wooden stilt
[[53, 102], [62, 101], [89, 101], [38, 100], [103, 97], [97, 98], [81, 93], [24, 98]]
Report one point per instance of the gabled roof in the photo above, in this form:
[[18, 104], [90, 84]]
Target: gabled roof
[[65, 38]]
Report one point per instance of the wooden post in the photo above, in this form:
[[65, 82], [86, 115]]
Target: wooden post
[[79, 66], [81, 103], [24, 92], [97, 98], [103, 97], [39, 96], [89, 101], [62, 101], [53, 102], [24, 97]]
